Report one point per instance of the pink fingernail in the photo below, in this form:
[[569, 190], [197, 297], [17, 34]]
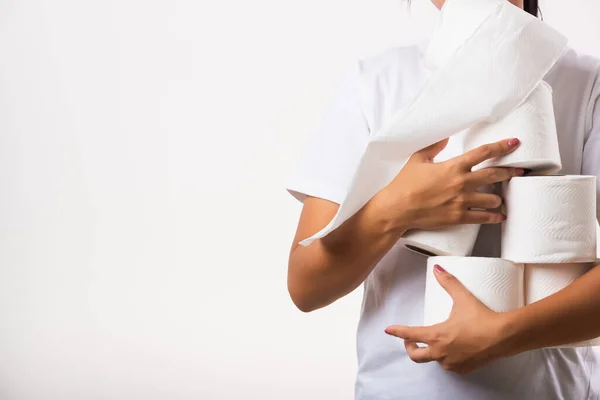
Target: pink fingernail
[[520, 171], [514, 142], [437, 268], [504, 217]]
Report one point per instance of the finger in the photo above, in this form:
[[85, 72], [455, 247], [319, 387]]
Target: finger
[[482, 200], [482, 217], [489, 176], [449, 282], [418, 354], [430, 152], [487, 151], [421, 334]]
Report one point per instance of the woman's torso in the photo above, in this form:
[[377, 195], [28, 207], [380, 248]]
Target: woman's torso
[[393, 293]]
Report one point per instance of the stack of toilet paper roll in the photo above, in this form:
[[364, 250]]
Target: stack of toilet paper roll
[[552, 231], [539, 153], [548, 241], [549, 237]]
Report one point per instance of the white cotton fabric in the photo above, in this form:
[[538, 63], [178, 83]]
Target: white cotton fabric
[[373, 90]]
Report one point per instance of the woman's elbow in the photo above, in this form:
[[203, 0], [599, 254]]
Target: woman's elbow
[[303, 293], [301, 299]]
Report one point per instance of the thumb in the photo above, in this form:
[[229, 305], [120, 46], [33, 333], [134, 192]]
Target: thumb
[[450, 284], [430, 152]]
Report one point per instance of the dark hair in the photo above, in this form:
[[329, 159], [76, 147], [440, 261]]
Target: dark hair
[[531, 6]]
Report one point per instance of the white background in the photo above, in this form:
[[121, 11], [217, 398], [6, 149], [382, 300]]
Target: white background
[[144, 226]]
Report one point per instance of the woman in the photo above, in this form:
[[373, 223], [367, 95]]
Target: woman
[[476, 354]]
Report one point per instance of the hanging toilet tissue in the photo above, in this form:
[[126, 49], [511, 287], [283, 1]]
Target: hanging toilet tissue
[[495, 282], [543, 280], [496, 60], [551, 219], [533, 122]]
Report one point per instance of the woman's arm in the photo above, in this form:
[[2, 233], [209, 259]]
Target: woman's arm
[[569, 316], [474, 335], [424, 195], [335, 265]]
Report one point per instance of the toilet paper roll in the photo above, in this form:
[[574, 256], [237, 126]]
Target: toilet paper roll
[[501, 37], [543, 280], [533, 122], [551, 219], [451, 241], [495, 282]]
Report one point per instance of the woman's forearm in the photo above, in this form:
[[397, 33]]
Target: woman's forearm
[[569, 316], [424, 195], [335, 265]]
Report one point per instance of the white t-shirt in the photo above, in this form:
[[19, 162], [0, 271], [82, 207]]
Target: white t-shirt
[[393, 293]]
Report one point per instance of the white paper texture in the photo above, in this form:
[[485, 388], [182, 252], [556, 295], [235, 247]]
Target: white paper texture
[[533, 122], [543, 280], [495, 282], [496, 61], [551, 219]]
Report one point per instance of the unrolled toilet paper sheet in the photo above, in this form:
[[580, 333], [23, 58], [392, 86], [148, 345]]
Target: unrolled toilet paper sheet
[[551, 219], [491, 65]]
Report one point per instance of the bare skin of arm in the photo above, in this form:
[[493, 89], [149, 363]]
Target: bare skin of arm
[[424, 195], [474, 335]]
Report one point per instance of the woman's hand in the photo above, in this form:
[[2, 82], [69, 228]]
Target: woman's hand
[[472, 336], [428, 195]]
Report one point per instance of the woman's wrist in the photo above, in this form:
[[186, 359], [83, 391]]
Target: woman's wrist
[[512, 333], [374, 227], [390, 213]]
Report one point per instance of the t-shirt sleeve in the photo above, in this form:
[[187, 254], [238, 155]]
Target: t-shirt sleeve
[[591, 149], [328, 163]]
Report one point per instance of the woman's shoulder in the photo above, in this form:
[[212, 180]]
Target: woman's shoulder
[[575, 80], [575, 72], [575, 65]]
